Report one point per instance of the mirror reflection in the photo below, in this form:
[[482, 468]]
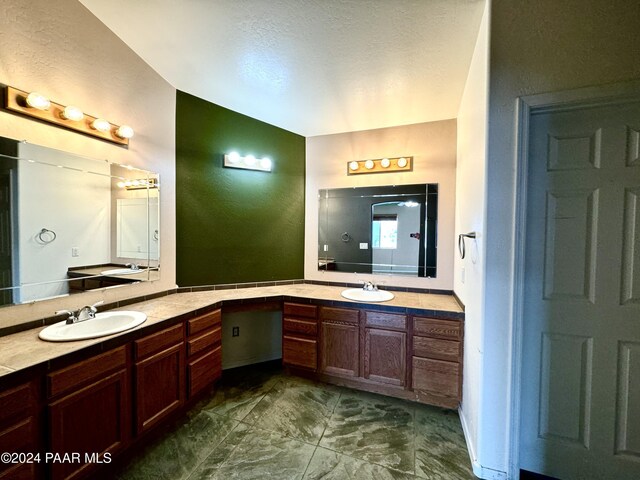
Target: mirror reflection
[[390, 230], [70, 224]]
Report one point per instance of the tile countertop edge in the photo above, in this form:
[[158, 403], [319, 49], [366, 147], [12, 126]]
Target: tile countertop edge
[[23, 350]]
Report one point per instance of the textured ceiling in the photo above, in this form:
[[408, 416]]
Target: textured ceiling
[[310, 66]]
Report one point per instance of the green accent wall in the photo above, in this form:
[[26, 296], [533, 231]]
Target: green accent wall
[[236, 225]]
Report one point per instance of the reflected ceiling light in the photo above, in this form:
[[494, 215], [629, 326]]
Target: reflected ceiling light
[[380, 165], [248, 162], [138, 183], [124, 131], [72, 113], [36, 105], [38, 101]]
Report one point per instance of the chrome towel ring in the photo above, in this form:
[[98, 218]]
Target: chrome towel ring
[[46, 236]]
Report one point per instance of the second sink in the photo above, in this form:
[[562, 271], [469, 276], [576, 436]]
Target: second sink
[[361, 295]]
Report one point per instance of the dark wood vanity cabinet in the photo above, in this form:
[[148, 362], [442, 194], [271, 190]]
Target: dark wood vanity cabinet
[[159, 376], [204, 352], [300, 336], [89, 406], [437, 361], [385, 348], [20, 430], [340, 341]]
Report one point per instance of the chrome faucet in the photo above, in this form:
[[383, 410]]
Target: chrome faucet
[[369, 287], [85, 313], [133, 266]]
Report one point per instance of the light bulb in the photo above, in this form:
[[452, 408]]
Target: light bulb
[[38, 101], [353, 166], [369, 164], [101, 125], [250, 160], [120, 184], [233, 157], [136, 183], [265, 163], [384, 163], [402, 162], [72, 113], [124, 131]]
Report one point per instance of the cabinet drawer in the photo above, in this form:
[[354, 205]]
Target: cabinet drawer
[[305, 327], [204, 370], [81, 373], [158, 341], [436, 348], [204, 322], [385, 320], [437, 377], [17, 403], [204, 341], [300, 352], [343, 315], [299, 310], [435, 327]]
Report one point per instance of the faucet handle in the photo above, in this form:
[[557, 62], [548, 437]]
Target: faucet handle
[[71, 316], [63, 312], [97, 304]]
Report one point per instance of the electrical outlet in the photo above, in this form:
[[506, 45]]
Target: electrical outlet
[[364, 246], [75, 251], [235, 332], [326, 248]]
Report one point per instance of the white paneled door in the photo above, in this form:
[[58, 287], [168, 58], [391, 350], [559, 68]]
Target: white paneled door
[[581, 343]]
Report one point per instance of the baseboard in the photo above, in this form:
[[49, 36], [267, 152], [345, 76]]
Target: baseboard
[[251, 360], [478, 470]]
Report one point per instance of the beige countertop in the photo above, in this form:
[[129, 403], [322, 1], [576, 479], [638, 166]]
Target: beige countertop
[[24, 349]]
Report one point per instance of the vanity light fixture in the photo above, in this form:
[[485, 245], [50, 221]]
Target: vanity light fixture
[[248, 162], [38, 101], [137, 184], [72, 113], [381, 165], [36, 105]]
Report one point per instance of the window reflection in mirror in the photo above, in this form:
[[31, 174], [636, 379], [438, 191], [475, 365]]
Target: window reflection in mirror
[[390, 230]]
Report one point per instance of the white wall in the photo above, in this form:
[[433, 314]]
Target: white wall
[[73, 204], [58, 48], [470, 217], [260, 338], [433, 147], [536, 47]]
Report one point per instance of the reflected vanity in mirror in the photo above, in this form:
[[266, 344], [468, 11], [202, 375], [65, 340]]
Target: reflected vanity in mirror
[[386, 230], [70, 224]]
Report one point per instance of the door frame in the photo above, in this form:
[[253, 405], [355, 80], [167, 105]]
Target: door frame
[[566, 100]]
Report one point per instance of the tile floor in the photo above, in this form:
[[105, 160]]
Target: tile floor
[[263, 424]]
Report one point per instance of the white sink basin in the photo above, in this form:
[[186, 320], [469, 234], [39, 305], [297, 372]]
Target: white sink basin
[[361, 295], [120, 271], [106, 323]]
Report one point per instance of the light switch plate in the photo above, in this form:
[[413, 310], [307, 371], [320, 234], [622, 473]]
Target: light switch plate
[[364, 246]]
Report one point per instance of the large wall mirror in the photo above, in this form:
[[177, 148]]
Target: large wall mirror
[[69, 224], [389, 230]]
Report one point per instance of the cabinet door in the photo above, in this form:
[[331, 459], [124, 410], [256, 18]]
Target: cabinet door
[[93, 420], [340, 350], [300, 352], [160, 387], [385, 356], [437, 380]]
